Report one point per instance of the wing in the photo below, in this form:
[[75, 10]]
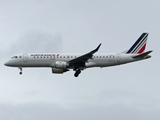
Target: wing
[[80, 61]]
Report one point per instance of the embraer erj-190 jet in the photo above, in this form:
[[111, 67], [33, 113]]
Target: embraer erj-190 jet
[[60, 63]]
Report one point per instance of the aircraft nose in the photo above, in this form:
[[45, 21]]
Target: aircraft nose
[[6, 64]]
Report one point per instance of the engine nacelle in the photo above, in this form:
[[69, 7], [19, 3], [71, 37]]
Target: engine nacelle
[[59, 71], [60, 65]]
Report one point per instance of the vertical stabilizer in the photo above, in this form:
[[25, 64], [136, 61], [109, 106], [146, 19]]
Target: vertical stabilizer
[[139, 46]]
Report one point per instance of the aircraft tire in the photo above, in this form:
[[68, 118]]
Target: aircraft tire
[[76, 74]]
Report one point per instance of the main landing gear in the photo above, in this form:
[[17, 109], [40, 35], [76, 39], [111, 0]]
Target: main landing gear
[[78, 71], [20, 71]]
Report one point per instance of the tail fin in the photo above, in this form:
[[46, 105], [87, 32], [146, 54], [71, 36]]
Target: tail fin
[[139, 46]]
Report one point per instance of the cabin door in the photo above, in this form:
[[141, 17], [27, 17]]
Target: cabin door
[[25, 57], [118, 57]]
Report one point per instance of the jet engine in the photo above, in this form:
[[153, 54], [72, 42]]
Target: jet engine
[[59, 71], [61, 65]]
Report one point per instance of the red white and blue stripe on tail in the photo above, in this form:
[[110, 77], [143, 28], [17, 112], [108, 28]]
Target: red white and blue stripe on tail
[[139, 46]]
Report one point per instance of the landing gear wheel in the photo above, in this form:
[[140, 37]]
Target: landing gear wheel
[[77, 73], [20, 71]]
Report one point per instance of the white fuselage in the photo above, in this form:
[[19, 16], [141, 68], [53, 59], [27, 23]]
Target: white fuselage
[[49, 59]]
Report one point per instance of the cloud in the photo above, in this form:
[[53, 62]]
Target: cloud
[[36, 42], [125, 92], [41, 111]]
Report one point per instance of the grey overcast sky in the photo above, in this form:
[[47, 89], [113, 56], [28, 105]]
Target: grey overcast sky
[[128, 92]]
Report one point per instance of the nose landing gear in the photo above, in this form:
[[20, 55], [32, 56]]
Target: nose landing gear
[[77, 73], [20, 71]]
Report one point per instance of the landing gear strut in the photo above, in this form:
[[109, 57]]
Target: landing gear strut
[[77, 73], [20, 71]]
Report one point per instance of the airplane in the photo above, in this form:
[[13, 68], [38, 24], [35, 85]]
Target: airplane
[[61, 63]]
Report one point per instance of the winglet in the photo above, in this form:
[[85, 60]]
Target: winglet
[[95, 50], [98, 47]]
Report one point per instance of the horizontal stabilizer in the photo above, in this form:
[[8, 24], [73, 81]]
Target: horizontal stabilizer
[[143, 55]]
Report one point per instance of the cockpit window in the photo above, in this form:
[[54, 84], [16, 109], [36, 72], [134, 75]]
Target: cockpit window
[[14, 57]]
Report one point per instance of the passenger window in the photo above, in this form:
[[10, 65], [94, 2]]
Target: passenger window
[[14, 57]]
